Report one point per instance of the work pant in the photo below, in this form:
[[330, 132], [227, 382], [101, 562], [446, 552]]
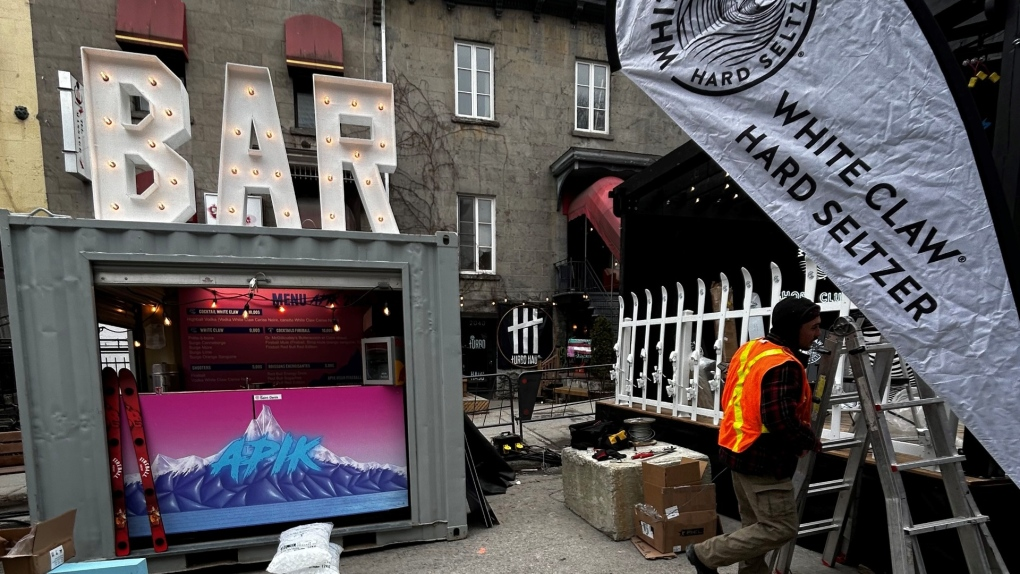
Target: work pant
[[768, 520]]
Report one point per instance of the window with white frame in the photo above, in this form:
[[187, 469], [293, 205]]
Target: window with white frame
[[592, 101], [473, 78], [476, 217]]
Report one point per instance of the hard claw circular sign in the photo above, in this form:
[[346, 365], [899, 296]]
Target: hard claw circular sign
[[525, 336]]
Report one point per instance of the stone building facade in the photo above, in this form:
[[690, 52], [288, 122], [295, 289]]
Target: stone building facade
[[456, 166]]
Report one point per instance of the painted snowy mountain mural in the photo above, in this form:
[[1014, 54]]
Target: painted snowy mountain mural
[[267, 475]]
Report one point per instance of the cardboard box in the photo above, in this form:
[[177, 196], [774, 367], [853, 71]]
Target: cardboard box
[[673, 473], [651, 528], [52, 545], [676, 534], [689, 528], [673, 500]]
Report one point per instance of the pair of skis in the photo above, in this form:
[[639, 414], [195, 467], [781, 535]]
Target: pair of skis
[[116, 387]]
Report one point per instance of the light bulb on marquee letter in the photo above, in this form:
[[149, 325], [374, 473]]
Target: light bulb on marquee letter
[[366, 158], [111, 78], [248, 102]]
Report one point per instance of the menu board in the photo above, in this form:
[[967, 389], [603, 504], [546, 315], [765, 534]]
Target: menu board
[[289, 338]]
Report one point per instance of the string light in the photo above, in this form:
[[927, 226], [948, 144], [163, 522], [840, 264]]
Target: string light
[[107, 121], [325, 100], [173, 181], [245, 313], [386, 309], [281, 308], [237, 131], [329, 140], [251, 91], [354, 103], [104, 76], [138, 344], [152, 81], [169, 113], [382, 145], [166, 321], [213, 305], [381, 107]]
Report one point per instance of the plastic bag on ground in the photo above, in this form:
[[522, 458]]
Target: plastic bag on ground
[[303, 547], [332, 568]]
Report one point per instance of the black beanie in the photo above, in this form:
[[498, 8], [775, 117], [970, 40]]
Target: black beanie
[[787, 317]]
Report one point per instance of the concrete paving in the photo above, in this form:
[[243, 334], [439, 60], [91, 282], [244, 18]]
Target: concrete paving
[[537, 533]]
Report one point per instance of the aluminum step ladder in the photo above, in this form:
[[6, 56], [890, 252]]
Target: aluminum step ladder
[[978, 547]]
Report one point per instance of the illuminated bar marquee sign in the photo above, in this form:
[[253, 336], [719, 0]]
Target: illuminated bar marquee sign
[[120, 146]]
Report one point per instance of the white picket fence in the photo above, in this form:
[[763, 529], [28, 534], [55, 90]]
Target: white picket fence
[[641, 359]]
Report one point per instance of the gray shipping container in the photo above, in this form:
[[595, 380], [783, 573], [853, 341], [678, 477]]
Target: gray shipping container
[[51, 266]]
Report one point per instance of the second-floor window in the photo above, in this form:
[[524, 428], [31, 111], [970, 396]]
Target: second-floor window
[[476, 220], [473, 79], [592, 109]]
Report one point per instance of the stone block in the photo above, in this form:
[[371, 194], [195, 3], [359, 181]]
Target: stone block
[[604, 493]]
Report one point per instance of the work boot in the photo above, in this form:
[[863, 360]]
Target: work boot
[[699, 566]]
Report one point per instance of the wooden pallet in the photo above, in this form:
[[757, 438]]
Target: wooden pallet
[[475, 403]]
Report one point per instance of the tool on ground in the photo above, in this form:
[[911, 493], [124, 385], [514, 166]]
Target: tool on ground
[[508, 443], [979, 549]]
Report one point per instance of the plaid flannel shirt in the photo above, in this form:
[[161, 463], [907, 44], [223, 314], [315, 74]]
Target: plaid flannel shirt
[[775, 453]]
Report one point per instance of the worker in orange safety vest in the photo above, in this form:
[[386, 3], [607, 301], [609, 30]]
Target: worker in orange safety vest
[[766, 427]]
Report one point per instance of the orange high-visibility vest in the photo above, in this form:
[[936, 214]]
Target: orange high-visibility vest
[[741, 424]]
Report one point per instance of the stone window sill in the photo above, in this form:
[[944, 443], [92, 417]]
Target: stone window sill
[[591, 135], [475, 122]]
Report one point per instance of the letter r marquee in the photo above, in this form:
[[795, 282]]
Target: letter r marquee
[[339, 104]]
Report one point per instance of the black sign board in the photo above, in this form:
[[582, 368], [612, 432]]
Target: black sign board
[[525, 337]]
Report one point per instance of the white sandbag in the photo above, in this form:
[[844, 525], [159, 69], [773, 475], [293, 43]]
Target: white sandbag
[[303, 547], [332, 568]]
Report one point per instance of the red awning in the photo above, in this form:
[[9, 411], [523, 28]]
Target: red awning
[[595, 204], [159, 23], [314, 42]]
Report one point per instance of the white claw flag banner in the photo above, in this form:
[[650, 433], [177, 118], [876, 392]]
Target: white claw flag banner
[[846, 122]]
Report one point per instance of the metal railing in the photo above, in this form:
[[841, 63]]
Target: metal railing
[[502, 399], [489, 400], [575, 276]]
